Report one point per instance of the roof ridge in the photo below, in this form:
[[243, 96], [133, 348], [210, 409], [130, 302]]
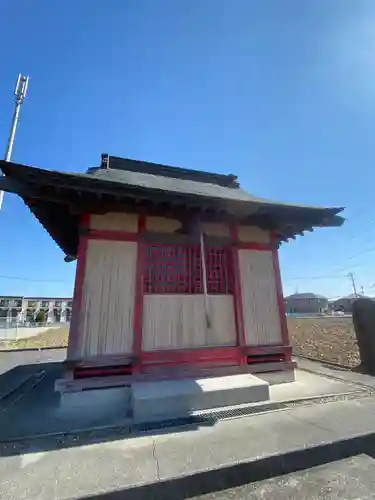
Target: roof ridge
[[145, 167]]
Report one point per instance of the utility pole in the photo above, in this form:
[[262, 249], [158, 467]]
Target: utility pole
[[351, 277], [20, 93]]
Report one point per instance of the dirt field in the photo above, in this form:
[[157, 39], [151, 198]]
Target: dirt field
[[56, 337], [327, 338]]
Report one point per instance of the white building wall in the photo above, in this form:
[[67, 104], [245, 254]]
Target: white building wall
[[115, 222], [253, 234], [260, 307]]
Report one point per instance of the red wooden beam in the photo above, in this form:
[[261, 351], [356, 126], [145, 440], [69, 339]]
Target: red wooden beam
[[269, 358], [237, 293], [104, 234], [267, 349], [138, 296], [215, 355], [207, 357], [118, 235], [280, 295], [252, 245], [104, 371], [74, 330], [192, 355]]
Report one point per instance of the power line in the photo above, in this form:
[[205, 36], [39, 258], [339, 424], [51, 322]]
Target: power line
[[334, 276], [344, 269], [361, 253], [35, 280]]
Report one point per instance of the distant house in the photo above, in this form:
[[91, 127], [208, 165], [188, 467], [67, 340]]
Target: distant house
[[308, 303], [344, 304]]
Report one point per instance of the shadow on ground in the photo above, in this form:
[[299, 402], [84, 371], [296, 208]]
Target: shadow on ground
[[334, 366], [211, 481], [356, 369], [34, 418]]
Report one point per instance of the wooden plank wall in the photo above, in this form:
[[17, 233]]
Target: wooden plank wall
[[170, 321], [260, 307], [179, 322], [106, 322]]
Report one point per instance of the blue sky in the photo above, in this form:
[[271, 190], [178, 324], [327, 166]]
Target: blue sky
[[280, 93]]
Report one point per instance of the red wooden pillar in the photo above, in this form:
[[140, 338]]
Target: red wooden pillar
[[237, 296], [74, 330], [138, 296], [280, 297]]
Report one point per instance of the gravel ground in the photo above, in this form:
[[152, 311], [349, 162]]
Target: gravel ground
[[326, 338]]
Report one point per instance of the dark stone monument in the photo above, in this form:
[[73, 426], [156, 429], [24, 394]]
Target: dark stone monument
[[363, 310]]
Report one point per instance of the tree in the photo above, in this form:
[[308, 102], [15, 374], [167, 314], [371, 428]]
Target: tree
[[40, 317]]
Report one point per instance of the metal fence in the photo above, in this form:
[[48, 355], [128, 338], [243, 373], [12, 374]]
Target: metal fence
[[14, 330]]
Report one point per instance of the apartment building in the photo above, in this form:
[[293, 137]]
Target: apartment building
[[10, 309], [23, 309]]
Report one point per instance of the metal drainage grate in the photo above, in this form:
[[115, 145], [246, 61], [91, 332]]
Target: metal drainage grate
[[210, 417]]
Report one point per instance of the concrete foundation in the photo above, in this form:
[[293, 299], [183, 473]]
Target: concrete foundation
[[162, 400], [99, 403]]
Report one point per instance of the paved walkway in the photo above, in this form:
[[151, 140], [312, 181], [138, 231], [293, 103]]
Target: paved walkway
[[121, 464], [74, 469], [335, 372], [38, 409]]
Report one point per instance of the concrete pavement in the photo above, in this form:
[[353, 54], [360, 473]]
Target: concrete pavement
[[40, 410], [11, 359], [19, 368], [229, 454], [188, 461], [335, 372]]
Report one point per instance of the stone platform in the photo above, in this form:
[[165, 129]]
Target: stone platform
[[162, 400]]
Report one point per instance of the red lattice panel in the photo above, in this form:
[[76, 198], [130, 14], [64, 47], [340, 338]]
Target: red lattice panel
[[178, 269], [219, 275]]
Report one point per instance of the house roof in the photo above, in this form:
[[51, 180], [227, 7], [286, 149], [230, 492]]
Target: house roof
[[296, 296], [57, 198], [351, 296], [48, 298], [10, 297]]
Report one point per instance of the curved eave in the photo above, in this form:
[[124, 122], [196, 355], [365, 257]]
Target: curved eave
[[56, 197]]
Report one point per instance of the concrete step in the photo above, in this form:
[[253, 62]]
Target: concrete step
[[167, 399]]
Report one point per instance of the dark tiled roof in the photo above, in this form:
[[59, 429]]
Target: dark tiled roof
[[156, 177], [150, 182], [10, 297], [48, 298], [145, 167], [171, 185], [51, 194]]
